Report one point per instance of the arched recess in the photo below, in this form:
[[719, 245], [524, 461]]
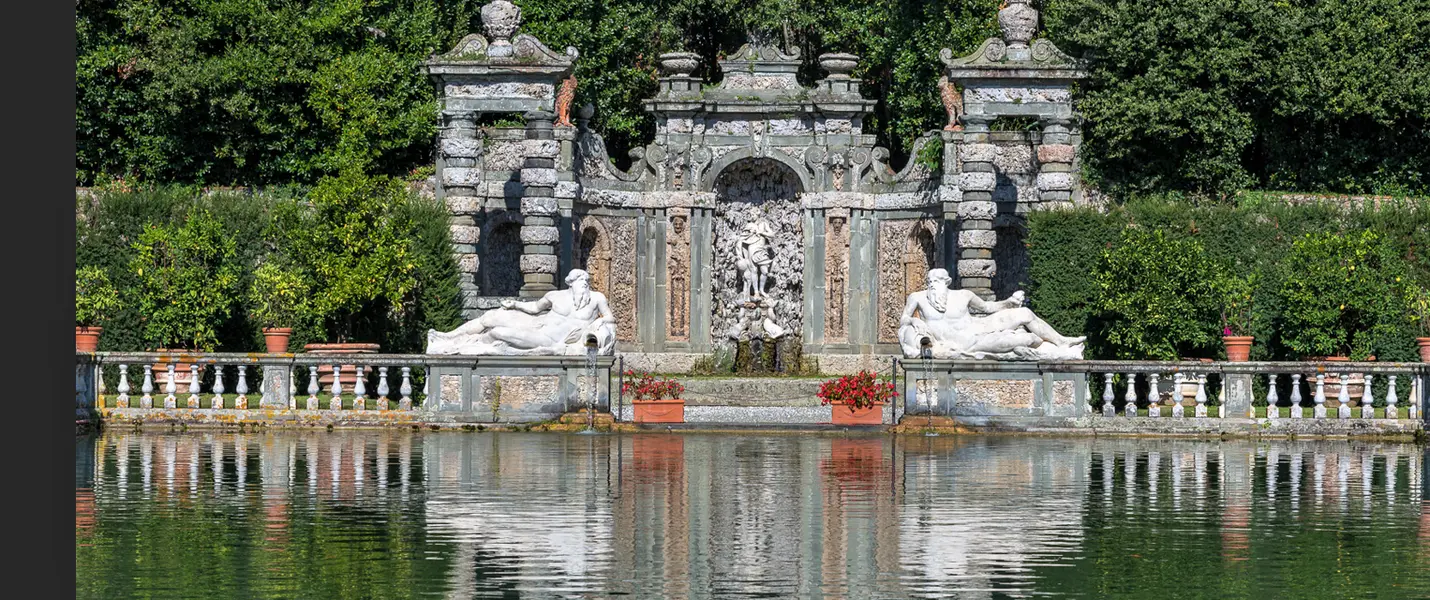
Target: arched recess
[[720, 165], [593, 254], [501, 255], [907, 250], [747, 191]]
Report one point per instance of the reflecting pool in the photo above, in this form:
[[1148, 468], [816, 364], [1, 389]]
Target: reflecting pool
[[389, 514]]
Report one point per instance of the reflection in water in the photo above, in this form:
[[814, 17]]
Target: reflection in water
[[396, 514]]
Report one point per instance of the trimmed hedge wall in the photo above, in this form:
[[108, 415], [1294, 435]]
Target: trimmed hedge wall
[[1071, 251]]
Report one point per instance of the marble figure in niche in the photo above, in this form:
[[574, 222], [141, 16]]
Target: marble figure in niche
[[754, 255], [556, 324], [1007, 330]]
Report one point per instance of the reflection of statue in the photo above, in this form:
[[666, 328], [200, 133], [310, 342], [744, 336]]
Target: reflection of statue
[[565, 95], [1010, 331], [558, 324], [753, 258], [952, 103]]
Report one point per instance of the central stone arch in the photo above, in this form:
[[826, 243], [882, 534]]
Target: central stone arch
[[746, 191]]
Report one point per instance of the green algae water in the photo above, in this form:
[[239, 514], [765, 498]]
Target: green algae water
[[525, 515]]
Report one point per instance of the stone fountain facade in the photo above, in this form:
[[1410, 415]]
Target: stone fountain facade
[[851, 235]]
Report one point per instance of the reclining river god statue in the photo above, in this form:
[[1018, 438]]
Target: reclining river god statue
[[560, 323], [1005, 331]]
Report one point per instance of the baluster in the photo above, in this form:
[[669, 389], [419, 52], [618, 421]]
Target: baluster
[[1107, 409], [1320, 399], [241, 403], [382, 389], [359, 391], [312, 387], [1296, 396], [1343, 398], [1390, 399], [1129, 407], [1367, 399], [170, 388], [1177, 410], [1221, 396], [1154, 399], [336, 402], [122, 401], [193, 386], [1272, 398], [1412, 410], [147, 400], [1201, 395], [405, 403], [217, 401]]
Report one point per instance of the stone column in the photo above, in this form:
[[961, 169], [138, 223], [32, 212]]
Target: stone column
[[539, 235], [459, 151], [976, 210], [1055, 165]]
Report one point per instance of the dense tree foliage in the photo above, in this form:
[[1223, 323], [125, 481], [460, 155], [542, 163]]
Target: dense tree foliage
[[1203, 96]]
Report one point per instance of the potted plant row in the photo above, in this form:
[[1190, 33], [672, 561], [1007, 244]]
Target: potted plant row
[[94, 300], [857, 399], [654, 399]]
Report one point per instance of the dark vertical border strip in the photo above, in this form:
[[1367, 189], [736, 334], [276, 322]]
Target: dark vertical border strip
[[39, 259]]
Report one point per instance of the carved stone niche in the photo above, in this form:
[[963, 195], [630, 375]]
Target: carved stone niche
[[678, 274], [836, 275]]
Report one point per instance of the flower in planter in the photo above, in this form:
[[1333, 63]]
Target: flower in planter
[[645, 386], [861, 390]]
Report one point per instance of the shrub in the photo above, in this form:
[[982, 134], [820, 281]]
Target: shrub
[[1417, 304], [278, 296], [1157, 297], [187, 281], [95, 299], [861, 390], [1335, 289]]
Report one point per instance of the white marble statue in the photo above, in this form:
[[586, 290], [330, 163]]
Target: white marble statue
[[557, 324], [1006, 331], [753, 256]]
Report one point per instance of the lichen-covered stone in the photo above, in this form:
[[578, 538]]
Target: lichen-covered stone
[[977, 182], [540, 235], [461, 147], [463, 176], [977, 210], [538, 206], [544, 91], [997, 393], [538, 263], [541, 177], [468, 263], [463, 204], [465, 234], [504, 155], [1014, 158], [977, 239], [1055, 181], [976, 268], [978, 152], [1055, 153], [567, 189]]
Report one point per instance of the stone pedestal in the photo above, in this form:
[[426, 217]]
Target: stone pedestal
[[539, 234], [505, 389], [277, 381], [976, 237], [977, 389]]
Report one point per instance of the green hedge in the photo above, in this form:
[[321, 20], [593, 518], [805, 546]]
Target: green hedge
[[110, 223], [1072, 252]]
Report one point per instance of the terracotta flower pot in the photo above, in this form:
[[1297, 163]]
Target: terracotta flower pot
[[659, 411], [1424, 344], [844, 414], [86, 339], [1238, 347], [178, 358], [349, 372], [275, 339]]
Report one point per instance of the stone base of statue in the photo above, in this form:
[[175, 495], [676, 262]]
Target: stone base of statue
[[570, 322], [517, 389], [1016, 395]]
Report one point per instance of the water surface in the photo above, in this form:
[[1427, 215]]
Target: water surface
[[541, 515]]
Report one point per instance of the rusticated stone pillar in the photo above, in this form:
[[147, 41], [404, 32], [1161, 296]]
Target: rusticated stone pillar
[[459, 153], [1055, 160], [976, 210], [539, 235]]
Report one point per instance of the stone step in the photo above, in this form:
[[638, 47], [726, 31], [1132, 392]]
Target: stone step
[[751, 391]]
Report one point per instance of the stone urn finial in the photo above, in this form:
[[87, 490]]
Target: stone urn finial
[[1019, 21], [838, 64], [678, 64], [500, 18]]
